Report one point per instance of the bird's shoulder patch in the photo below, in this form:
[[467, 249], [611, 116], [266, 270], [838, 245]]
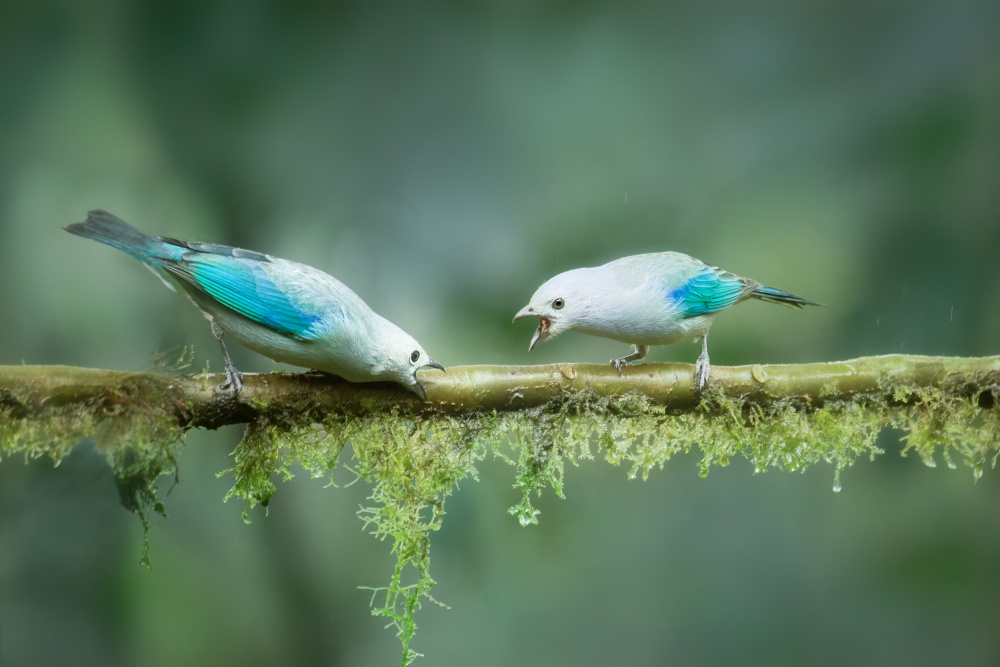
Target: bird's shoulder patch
[[221, 250], [709, 291]]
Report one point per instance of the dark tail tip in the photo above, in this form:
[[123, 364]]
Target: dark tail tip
[[98, 221], [781, 297], [109, 229]]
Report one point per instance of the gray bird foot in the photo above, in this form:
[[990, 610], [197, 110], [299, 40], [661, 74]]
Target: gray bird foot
[[234, 381], [638, 352], [701, 368]]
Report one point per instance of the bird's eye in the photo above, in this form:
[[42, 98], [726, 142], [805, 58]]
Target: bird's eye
[[558, 304], [415, 356]]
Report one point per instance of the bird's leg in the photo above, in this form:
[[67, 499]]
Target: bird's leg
[[234, 379], [701, 367], [638, 352]]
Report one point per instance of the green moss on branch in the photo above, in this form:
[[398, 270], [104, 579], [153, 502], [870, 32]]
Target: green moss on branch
[[537, 418]]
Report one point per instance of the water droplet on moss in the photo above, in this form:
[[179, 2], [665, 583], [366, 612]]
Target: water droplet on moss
[[526, 519]]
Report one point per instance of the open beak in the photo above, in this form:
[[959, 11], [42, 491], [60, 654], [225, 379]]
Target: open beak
[[418, 388], [544, 324], [541, 333]]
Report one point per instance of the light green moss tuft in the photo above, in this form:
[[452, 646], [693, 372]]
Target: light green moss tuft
[[138, 437], [964, 428]]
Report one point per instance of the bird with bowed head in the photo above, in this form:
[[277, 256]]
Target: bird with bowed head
[[652, 299], [289, 312]]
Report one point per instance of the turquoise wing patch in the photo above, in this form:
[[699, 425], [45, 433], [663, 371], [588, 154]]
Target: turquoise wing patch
[[709, 291], [244, 287]]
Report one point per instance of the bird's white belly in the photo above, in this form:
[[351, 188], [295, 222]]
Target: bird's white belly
[[639, 330], [315, 354]]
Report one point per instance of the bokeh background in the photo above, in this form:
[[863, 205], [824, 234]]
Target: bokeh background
[[443, 159]]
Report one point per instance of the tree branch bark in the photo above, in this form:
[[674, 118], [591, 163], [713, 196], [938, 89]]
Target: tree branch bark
[[31, 391]]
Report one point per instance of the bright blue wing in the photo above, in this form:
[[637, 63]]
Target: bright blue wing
[[709, 291], [242, 285]]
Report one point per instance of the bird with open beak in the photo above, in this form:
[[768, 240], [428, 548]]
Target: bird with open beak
[[652, 299]]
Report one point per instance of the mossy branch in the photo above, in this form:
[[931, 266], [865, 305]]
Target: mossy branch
[[195, 401], [534, 417]]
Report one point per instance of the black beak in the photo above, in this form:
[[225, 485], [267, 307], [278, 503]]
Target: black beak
[[418, 388]]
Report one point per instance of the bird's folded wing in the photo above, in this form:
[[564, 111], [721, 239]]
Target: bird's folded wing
[[709, 291], [243, 285]]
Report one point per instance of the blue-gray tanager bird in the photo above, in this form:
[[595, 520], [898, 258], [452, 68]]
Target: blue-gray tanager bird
[[289, 312], [653, 299]]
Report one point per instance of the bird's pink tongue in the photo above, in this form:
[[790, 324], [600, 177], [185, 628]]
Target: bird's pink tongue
[[544, 323]]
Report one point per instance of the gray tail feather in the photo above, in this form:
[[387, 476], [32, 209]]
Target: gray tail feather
[[773, 295], [113, 231]]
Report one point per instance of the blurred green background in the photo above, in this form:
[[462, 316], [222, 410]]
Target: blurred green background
[[444, 159]]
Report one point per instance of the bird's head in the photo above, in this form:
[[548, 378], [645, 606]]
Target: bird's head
[[557, 304], [400, 357]]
